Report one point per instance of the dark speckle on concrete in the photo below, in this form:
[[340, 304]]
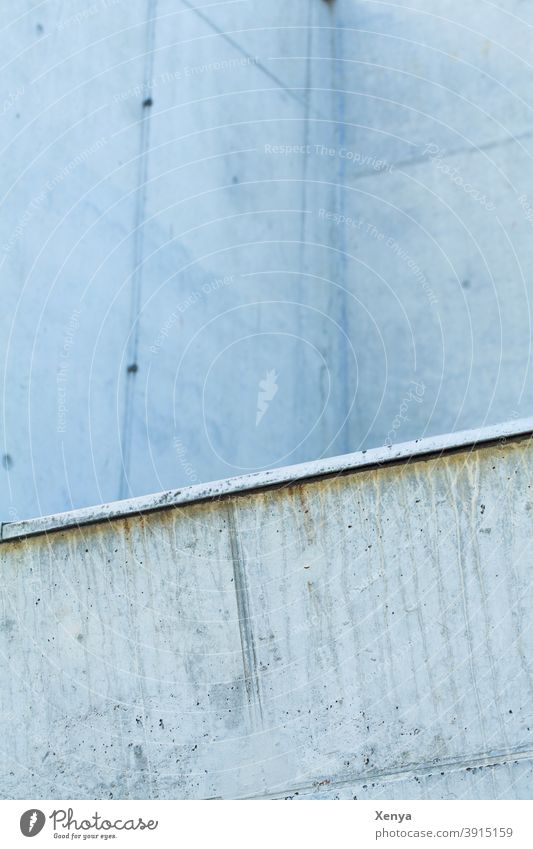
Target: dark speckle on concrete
[[147, 103]]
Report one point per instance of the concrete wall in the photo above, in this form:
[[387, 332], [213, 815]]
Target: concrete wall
[[362, 635], [196, 196]]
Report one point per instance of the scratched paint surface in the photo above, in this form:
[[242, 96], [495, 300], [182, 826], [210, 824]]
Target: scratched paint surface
[[367, 636]]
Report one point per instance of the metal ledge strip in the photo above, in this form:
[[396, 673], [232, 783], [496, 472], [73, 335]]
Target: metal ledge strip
[[333, 466]]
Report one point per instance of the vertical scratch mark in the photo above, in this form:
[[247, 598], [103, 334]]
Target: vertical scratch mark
[[300, 402], [474, 475], [454, 503], [249, 659], [339, 119], [138, 250], [303, 221], [431, 497]]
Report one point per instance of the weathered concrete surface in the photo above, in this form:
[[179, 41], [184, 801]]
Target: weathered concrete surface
[[366, 635], [195, 194]]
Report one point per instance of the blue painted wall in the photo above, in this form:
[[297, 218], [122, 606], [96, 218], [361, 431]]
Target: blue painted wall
[[241, 235]]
